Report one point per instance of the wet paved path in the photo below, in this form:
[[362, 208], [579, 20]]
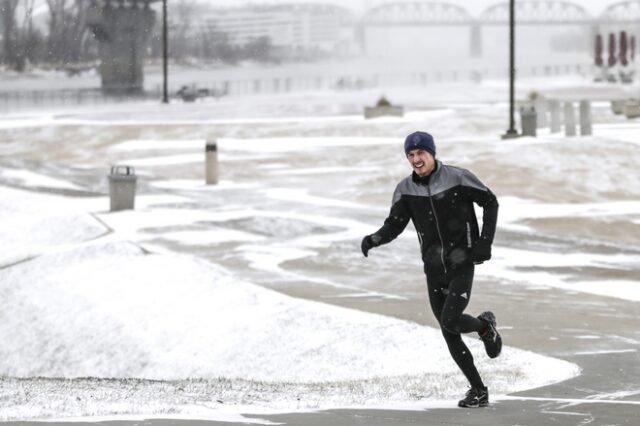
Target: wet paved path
[[599, 334]]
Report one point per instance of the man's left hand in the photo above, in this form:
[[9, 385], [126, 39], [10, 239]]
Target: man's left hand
[[481, 252]]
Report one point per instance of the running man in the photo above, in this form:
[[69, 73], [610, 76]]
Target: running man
[[439, 200]]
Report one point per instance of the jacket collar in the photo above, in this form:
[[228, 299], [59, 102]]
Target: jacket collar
[[426, 179]]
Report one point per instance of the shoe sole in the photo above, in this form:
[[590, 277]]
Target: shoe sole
[[479, 405], [489, 317], [498, 347]]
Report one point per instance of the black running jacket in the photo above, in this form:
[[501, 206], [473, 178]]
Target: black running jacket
[[441, 208]]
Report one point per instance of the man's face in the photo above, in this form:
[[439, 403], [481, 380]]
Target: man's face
[[422, 162]]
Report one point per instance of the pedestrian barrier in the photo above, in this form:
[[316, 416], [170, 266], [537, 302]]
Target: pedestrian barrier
[[211, 162], [555, 123], [569, 119], [585, 118]]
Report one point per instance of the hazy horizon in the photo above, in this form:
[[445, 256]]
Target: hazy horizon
[[594, 7]]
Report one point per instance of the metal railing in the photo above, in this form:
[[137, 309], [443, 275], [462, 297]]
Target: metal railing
[[16, 101]]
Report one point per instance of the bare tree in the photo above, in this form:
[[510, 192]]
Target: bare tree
[[68, 35], [8, 11], [21, 41], [30, 38], [184, 11]]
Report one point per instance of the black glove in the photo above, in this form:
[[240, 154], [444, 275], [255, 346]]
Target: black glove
[[481, 251], [369, 242]]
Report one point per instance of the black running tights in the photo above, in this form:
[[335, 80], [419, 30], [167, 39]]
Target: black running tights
[[449, 296]]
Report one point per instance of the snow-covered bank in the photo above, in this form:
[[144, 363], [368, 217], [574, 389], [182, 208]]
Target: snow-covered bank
[[108, 310]]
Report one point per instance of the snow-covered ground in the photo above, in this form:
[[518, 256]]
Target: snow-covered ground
[[183, 306]]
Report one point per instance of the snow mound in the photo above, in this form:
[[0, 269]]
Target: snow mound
[[31, 224], [108, 310]]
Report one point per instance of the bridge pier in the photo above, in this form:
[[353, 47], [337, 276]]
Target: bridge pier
[[122, 29], [476, 39]]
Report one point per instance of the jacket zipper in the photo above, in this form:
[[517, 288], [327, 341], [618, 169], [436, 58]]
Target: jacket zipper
[[433, 209]]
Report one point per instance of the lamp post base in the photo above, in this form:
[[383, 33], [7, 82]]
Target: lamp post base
[[511, 134]]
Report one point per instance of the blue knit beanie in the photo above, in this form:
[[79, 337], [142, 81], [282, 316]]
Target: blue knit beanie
[[420, 140]]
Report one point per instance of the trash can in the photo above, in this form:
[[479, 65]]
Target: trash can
[[528, 118], [617, 106], [122, 188], [631, 108]]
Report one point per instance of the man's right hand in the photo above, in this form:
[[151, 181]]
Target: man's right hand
[[369, 242], [481, 252]]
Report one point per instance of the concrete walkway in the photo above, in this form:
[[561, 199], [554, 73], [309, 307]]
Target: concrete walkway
[[599, 334]]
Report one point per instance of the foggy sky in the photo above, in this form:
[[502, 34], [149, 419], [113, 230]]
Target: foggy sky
[[594, 7]]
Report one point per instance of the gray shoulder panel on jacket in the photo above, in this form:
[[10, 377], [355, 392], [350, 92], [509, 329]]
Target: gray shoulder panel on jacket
[[444, 178], [471, 180], [407, 187]]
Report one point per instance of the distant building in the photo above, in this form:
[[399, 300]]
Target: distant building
[[296, 27]]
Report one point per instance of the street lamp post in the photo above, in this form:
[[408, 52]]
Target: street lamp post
[[512, 132], [165, 54]]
